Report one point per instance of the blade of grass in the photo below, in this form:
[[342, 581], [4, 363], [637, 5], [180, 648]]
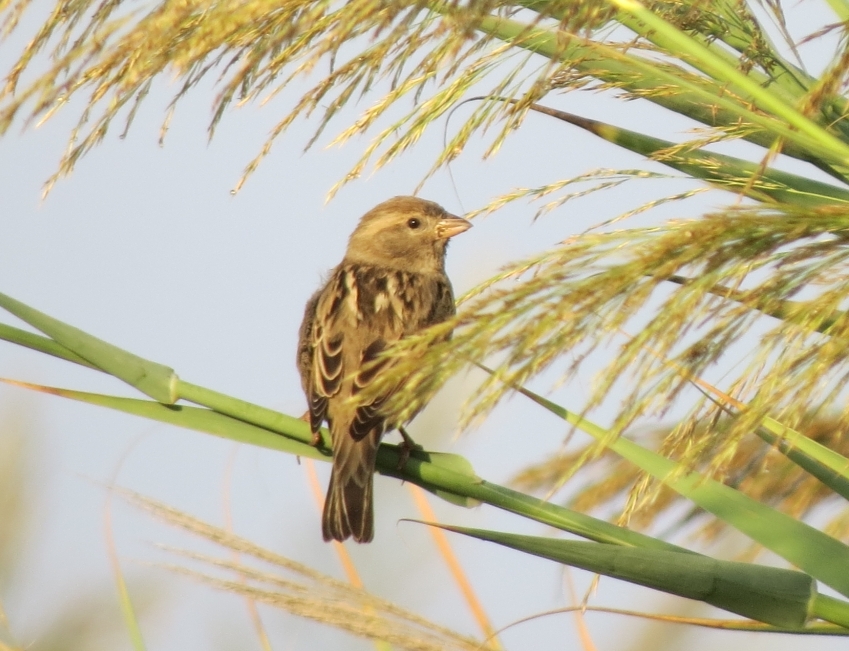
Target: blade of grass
[[41, 344], [771, 595], [830, 467], [156, 380], [194, 418], [128, 611], [815, 628], [841, 8], [431, 477], [792, 81], [809, 549], [248, 412]]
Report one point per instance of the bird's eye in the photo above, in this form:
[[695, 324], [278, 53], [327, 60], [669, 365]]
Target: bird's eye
[[414, 223]]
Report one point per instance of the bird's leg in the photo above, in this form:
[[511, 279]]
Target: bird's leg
[[407, 446], [316, 436]]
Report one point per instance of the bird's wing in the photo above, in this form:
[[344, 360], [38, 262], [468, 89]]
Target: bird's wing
[[368, 417], [320, 349]]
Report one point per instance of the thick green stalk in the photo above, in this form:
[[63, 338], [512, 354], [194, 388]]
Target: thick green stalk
[[447, 475], [250, 413], [431, 476], [830, 609]]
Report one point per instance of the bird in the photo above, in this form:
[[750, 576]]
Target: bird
[[390, 284]]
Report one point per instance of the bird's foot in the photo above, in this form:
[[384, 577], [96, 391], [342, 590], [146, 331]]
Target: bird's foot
[[407, 446], [316, 436]]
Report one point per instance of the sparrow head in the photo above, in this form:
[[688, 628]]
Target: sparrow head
[[405, 233]]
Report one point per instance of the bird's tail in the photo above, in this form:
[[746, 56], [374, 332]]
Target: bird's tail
[[349, 507]]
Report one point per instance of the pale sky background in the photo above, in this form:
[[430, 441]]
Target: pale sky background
[[145, 247]]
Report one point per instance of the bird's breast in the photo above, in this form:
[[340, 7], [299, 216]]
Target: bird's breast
[[389, 302]]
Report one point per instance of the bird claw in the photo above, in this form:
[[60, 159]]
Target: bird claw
[[406, 447], [316, 436]]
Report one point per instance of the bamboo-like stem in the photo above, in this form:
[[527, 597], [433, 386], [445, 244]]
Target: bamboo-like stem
[[830, 609]]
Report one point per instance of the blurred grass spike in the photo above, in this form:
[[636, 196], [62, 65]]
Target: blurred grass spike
[[154, 380], [286, 584]]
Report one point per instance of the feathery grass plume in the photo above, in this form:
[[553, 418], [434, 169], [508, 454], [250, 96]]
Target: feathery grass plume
[[579, 297], [756, 468], [110, 54], [302, 591], [430, 52]]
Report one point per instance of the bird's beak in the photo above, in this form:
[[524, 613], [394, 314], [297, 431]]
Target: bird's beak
[[451, 226]]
